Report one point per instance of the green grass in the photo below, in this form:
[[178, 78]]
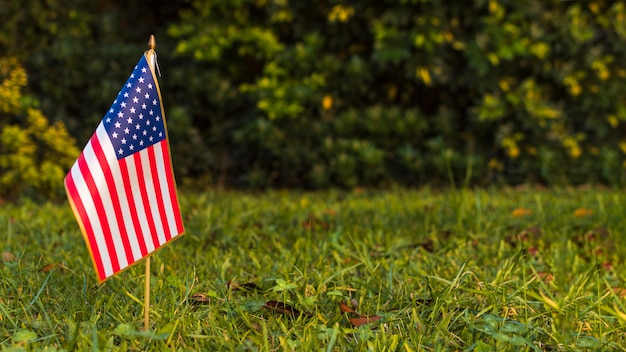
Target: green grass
[[437, 271]]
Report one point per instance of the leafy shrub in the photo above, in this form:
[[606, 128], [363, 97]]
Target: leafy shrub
[[319, 93], [34, 155]]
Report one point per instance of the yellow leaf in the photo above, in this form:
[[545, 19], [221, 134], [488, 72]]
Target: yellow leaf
[[424, 75], [327, 102], [519, 212], [582, 212]]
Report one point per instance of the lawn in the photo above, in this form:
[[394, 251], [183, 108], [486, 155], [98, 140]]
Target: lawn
[[399, 270]]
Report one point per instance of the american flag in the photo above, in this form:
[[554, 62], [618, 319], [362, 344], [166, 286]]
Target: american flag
[[122, 188]]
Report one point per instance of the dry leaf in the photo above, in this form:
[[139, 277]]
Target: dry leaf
[[247, 287], [546, 277], [619, 291], [519, 212], [199, 298], [344, 308], [283, 308], [49, 267], [8, 257], [582, 212], [356, 322]]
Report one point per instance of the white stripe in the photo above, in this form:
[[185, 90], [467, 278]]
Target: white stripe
[[165, 191], [103, 189], [116, 172], [150, 187], [141, 212], [92, 215]]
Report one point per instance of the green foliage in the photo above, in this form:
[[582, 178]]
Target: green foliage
[[34, 155], [514, 91], [258, 93]]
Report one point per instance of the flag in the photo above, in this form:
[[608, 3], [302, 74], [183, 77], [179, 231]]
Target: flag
[[121, 188]]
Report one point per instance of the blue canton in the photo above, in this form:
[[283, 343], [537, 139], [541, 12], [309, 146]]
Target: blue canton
[[135, 121]]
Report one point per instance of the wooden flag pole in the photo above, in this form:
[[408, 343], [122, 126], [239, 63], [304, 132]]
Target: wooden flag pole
[[146, 312], [146, 307]]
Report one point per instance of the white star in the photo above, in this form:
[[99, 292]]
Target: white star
[[135, 100], [120, 114], [125, 94], [154, 102], [134, 137], [143, 106], [145, 133], [123, 104], [132, 110], [129, 85], [108, 119], [151, 112], [114, 135], [123, 140], [141, 142], [140, 79], [132, 147], [132, 74], [150, 85], [126, 130], [117, 124], [138, 90], [151, 138], [137, 126], [143, 69], [147, 96], [129, 120], [158, 118], [154, 129], [148, 122], [120, 151], [160, 134], [111, 111]]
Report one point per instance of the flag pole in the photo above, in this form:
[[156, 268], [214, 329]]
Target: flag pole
[[150, 56]]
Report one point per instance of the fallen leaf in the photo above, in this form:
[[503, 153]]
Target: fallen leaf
[[344, 308], [582, 212], [247, 287], [50, 267], [199, 298], [619, 291], [519, 212], [356, 322], [283, 308], [8, 257], [546, 277], [533, 251]]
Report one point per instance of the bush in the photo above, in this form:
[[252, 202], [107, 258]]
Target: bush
[[506, 91], [34, 155], [316, 94]]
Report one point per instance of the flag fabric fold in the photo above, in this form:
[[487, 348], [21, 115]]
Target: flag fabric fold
[[121, 188]]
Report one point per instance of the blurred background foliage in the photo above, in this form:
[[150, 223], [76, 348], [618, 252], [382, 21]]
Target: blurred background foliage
[[317, 94]]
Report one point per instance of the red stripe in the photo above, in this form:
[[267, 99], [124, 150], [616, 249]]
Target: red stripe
[[84, 219], [97, 200], [144, 199], [131, 204], [108, 176], [159, 193], [169, 177]]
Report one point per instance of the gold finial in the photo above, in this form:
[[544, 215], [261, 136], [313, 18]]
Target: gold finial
[[152, 42]]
